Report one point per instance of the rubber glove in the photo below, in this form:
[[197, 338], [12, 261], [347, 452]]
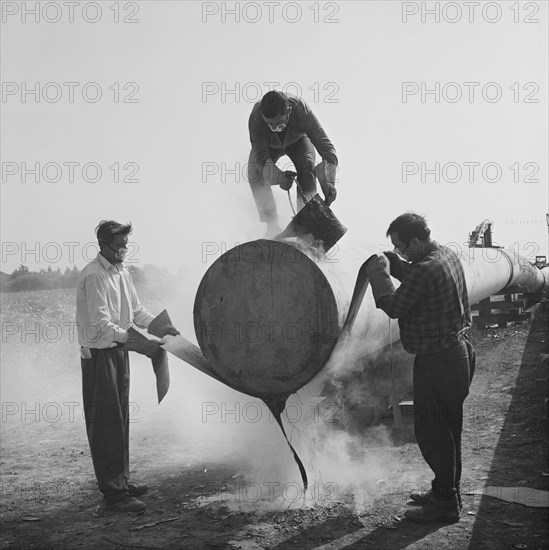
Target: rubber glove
[[398, 267], [141, 344], [287, 180], [377, 268], [162, 325], [326, 174]]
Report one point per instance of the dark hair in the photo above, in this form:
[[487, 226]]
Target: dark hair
[[107, 229], [408, 226], [274, 103]]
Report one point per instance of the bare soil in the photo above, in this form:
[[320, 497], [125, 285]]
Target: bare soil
[[49, 498]]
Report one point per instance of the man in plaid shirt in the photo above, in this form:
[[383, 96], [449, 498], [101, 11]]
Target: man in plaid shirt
[[434, 317]]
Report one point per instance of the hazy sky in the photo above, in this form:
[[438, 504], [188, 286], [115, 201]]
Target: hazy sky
[[177, 85]]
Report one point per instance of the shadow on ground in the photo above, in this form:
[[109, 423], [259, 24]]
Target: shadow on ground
[[524, 432]]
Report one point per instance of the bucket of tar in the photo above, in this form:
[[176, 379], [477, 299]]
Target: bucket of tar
[[316, 219]]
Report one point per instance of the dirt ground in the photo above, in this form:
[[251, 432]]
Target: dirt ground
[[49, 499]]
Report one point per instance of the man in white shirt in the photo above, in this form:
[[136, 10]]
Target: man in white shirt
[[106, 307]]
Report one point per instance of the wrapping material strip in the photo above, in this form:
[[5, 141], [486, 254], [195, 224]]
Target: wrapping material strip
[[159, 362], [276, 406], [359, 291], [188, 352], [162, 373]]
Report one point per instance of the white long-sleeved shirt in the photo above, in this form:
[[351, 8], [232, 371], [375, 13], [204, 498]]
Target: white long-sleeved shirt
[[101, 318]]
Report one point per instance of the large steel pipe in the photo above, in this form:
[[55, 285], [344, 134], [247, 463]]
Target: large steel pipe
[[489, 270], [266, 318], [267, 313]]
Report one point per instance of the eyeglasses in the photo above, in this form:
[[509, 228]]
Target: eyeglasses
[[400, 251]]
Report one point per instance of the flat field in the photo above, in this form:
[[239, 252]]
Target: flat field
[[219, 471]]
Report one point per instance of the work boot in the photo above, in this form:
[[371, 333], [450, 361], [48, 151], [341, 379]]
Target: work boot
[[424, 497], [137, 489], [128, 504], [440, 511]]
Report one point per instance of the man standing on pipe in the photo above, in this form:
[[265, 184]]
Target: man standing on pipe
[[282, 124], [434, 317], [106, 307]]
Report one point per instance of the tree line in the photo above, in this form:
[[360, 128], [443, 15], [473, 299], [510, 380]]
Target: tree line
[[23, 279]]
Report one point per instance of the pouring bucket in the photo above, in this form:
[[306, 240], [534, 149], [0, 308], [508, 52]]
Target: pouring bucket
[[318, 220]]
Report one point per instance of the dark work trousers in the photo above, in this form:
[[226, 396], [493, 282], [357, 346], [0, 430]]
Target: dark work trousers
[[106, 392], [302, 154], [441, 384]]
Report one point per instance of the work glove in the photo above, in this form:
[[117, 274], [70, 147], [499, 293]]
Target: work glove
[[287, 180], [377, 269], [330, 193], [162, 325], [141, 344], [326, 174], [398, 267]]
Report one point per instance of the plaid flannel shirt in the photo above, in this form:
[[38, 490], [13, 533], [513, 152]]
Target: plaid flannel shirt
[[431, 304]]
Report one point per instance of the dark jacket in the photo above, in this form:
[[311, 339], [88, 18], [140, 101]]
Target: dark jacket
[[302, 122]]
